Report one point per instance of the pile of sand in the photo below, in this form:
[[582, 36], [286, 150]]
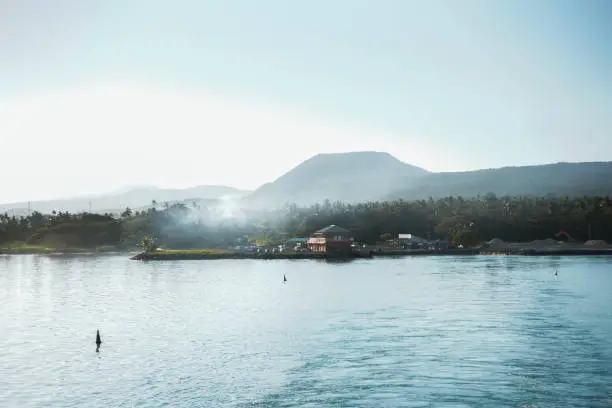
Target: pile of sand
[[596, 242]]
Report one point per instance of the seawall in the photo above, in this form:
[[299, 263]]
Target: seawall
[[175, 255], [204, 255]]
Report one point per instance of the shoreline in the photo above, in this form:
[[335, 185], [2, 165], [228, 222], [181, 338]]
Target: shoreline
[[177, 255], [211, 254]]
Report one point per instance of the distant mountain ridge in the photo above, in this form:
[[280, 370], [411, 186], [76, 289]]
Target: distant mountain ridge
[[356, 177], [373, 176], [348, 177], [561, 179]]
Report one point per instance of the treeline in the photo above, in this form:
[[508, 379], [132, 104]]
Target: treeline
[[61, 229], [462, 221], [176, 226]]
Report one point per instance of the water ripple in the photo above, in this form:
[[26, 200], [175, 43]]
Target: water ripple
[[420, 332]]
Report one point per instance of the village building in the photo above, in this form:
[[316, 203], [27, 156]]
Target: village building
[[331, 239], [295, 244], [414, 242], [411, 241], [296, 241]]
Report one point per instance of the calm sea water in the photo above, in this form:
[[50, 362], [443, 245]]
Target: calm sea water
[[409, 332]]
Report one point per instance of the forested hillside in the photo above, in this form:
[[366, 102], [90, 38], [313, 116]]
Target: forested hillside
[[465, 221], [560, 179], [368, 176]]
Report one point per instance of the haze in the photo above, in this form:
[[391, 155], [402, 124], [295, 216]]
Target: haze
[[98, 95]]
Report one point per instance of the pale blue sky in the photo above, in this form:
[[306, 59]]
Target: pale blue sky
[[95, 95]]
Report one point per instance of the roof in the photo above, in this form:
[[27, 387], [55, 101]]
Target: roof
[[410, 237], [334, 229], [297, 240]]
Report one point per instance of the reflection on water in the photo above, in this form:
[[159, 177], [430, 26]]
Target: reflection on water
[[478, 331]]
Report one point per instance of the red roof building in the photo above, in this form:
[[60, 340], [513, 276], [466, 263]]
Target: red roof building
[[331, 239]]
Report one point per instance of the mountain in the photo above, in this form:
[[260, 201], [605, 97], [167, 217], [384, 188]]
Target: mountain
[[135, 197], [364, 176], [347, 177], [357, 177], [562, 179]]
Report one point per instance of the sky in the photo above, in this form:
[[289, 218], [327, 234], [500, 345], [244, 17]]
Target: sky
[[101, 94]]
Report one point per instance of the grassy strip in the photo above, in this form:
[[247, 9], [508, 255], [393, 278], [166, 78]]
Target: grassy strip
[[174, 252], [201, 254]]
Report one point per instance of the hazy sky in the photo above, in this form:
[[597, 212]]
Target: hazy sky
[[96, 95]]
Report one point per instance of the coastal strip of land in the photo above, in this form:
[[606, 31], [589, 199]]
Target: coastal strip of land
[[170, 255], [203, 254], [516, 249]]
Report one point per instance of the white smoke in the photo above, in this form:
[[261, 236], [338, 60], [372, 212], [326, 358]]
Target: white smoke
[[224, 211]]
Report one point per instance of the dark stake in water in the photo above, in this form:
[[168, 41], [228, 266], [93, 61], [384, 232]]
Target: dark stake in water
[[98, 341], [483, 331]]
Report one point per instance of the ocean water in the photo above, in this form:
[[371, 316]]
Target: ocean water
[[404, 332]]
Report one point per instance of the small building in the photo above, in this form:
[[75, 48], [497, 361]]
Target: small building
[[294, 244], [296, 241], [331, 239], [414, 242], [410, 238], [411, 241]]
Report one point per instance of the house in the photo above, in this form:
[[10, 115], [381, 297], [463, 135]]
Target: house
[[414, 242], [331, 239], [296, 244], [410, 238], [411, 241], [296, 241]]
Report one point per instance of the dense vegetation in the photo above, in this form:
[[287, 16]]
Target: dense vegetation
[[465, 221], [560, 179]]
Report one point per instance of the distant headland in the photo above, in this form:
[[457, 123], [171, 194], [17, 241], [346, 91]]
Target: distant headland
[[562, 208], [453, 225]]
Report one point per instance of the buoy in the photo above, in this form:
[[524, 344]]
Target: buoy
[[98, 341], [284, 278]]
